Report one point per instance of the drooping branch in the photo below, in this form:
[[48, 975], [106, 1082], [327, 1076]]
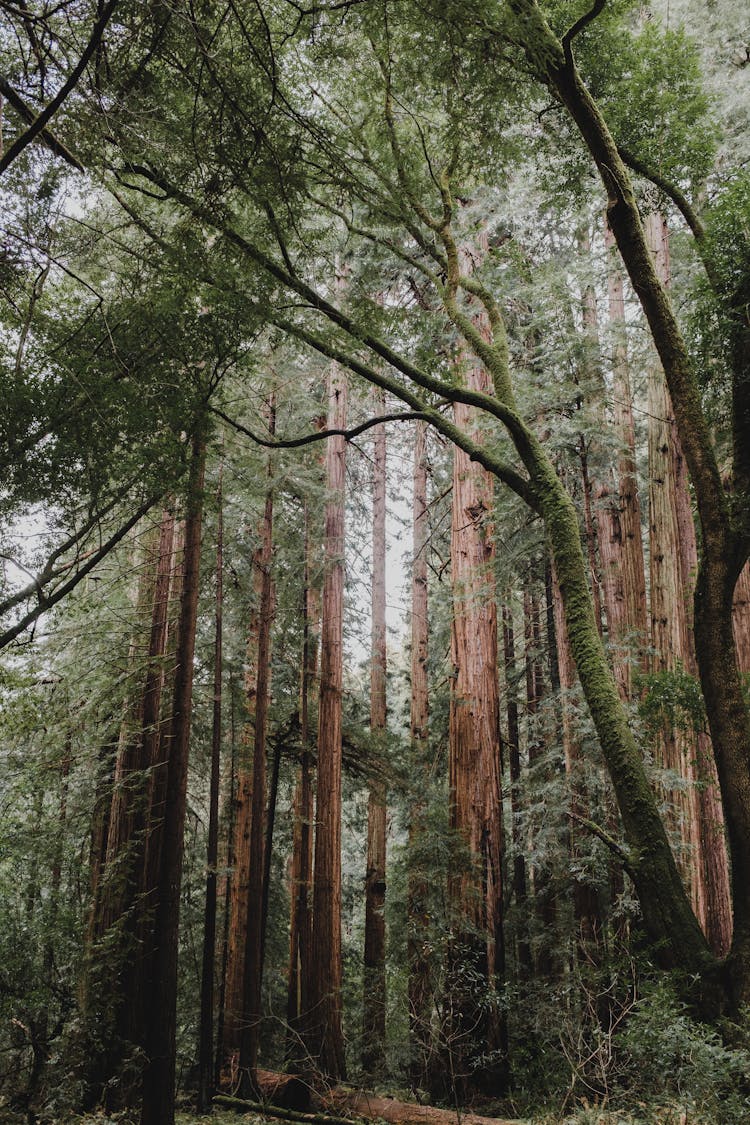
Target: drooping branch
[[502, 470], [450, 391], [58, 594], [614, 846], [49, 571], [318, 435]]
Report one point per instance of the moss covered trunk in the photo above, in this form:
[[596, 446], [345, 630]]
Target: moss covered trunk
[[724, 539]]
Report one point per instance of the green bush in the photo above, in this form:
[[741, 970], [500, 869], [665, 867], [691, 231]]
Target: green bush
[[665, 1056]]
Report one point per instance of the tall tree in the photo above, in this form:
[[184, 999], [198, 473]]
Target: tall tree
[[519, 880], [206, 1026], [325, 1041], [474, 763], [161, 999], [418, 890], [374, 999], [119, 912], [253, 944], [673, 557], [300, 925], [619, 508]]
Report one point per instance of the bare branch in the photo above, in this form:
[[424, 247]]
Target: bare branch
[[62, 591], [37, 125], [318, 435], [587, 17]]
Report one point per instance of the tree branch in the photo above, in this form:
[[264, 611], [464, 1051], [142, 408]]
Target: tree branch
[[587, 18], [605, 838], [61, 591], [48, 573], [37, 125], [318, 435], [28, 115], [681, 202]]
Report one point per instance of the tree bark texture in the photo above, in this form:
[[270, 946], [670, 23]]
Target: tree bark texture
[[741, 620], [326, 1044], [114, 984], [161, 999], [206, 1026], [374, 999], [300, 927], [258, 707], [619, 511], [474, 762], [418, 891]]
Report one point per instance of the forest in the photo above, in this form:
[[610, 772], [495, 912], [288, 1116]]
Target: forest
[[374, 580]]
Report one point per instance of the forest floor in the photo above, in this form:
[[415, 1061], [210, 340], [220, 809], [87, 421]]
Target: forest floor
[[668, 1115], [584, 1116]]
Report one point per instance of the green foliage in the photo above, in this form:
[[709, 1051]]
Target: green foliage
[[719, 323], [670, 700], [665, 1052], [649, 86]]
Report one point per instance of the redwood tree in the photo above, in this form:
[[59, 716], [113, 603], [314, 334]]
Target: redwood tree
[[374, 1000], [325, 1037], [160, 1015]]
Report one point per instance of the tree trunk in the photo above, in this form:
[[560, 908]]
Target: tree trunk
[[227, 890], [619, 513], [258, 704], [326, 1044], [373, 1000], [585, 902], [474, 771], [418, 890], [300, 928], [545, 906], [674, 560], [724, 540], [114, 976], [520, 881], [161, 997], [741, 620], [206, 1029]]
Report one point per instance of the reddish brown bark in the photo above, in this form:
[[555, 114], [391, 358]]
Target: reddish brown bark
[[240, 872], [326, 1045], [419, 995], [741, 619], [619, 512], [697, 815], [206, 1026], [253, 946], [114, 989], [241, 993], [374, 999], [161, 998], [225, 890], [302, 843], [474, 762]]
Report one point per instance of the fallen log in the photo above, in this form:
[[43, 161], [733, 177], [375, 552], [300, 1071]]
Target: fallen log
[[361, 1103], [263, 1109], [341, 1104]]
